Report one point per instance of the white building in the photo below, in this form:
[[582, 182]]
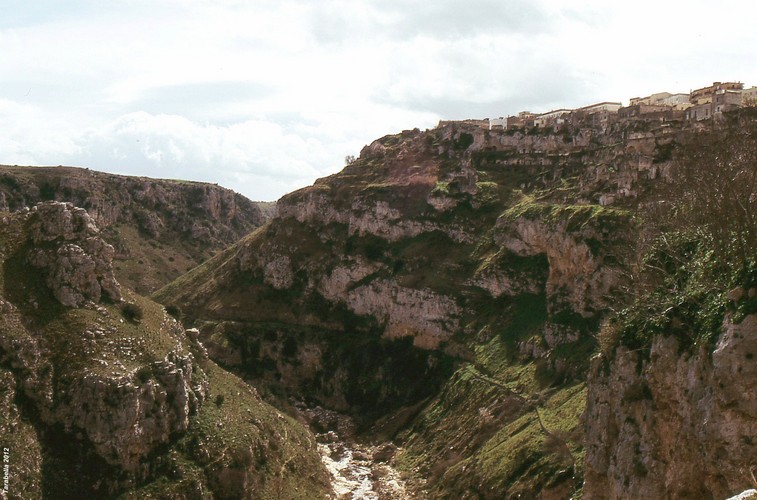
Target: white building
[[500, 122]]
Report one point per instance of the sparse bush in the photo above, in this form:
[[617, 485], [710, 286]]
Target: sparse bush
[[608, 337], [132, 312], [174, 310], [144, 374], [711, 195]]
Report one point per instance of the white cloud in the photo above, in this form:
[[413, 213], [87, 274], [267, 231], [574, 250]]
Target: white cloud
[[33, 136], [170, 146], [254, 157], [266, 96]]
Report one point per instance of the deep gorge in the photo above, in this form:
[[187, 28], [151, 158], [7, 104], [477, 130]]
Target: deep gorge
[[473, 301]]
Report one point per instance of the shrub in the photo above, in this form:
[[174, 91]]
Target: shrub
[[132, 312], [144, 374], [174, 310], [712, 193]]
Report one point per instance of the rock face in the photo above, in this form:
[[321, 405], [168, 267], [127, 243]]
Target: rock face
[[102, 403], [158, 228], [76, 261], [578, 279], [125, 418], [674, 425]]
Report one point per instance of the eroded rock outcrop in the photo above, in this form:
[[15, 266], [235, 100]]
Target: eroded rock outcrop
[[675, 423], [76, 261], [127, 417], [578, 279]]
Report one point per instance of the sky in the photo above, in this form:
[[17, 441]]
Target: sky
[[265, 96]]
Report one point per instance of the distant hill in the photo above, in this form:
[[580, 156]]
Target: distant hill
[[160, 228]]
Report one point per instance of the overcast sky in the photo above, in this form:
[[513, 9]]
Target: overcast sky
[[265, 96]]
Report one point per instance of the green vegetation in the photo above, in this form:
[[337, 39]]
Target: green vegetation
[[495, 430], [132, 312], [575, 217], [701, 242], [239, 444], [683, 293]]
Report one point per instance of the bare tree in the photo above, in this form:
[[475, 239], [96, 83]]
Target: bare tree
[[714, 188]]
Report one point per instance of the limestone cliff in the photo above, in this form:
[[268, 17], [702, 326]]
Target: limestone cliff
[[671, 408], [674, 423], [103, 393], [158, 228]]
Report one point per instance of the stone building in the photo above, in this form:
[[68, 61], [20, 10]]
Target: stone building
[[550, 118], [597, 116], [705, 94], [523, 119], [725, 100], [716, 99], [500, 122], [600, 107], [652, 112], [699, 112], [678, 101]]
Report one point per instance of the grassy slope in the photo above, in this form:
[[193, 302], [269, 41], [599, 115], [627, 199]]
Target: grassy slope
[[239, 438], [503, 424]]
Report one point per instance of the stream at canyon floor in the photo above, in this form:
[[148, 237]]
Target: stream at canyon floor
[[358, 470]]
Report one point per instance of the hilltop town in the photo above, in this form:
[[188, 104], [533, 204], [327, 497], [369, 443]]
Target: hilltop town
[[700, 104]]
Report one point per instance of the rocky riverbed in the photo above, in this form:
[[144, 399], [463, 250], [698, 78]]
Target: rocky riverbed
[[358, 470]]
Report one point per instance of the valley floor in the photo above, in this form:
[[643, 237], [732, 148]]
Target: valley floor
[[358, 470]]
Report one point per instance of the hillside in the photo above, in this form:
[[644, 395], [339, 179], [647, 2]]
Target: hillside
[[447, 289], [105, 395], [459, 313], [444, 289], [159, 228]]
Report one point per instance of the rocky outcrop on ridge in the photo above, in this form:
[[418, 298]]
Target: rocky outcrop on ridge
[[76, 261]]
